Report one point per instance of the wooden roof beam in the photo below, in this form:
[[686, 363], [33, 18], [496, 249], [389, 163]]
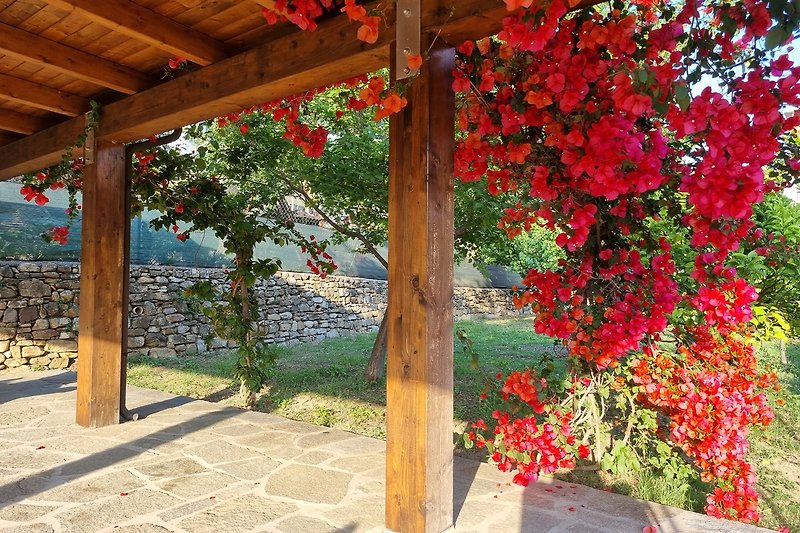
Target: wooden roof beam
[[262, 74], [21, 123], [8, 138], [76, 63], [41, 96], [149, 27], [41, 150]]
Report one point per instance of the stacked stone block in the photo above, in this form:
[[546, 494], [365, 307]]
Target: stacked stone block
[[39, 310]]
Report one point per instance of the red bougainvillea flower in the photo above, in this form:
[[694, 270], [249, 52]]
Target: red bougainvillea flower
[[59, 234], [584, 451], [176, 63], [414, 61]]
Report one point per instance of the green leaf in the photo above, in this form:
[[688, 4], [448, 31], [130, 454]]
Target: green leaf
[[682, 96], [468, 444], [776, 37]]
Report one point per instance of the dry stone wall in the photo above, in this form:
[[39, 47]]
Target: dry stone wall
[[39, 310]]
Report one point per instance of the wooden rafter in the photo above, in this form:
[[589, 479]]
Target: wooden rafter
[[266, 3], [39, 151], [7, 138], [35, 95], [149, 27], [21, 123], [29, 47], [261, 74]]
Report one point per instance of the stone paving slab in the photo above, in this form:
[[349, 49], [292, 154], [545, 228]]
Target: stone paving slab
[[193, 466]]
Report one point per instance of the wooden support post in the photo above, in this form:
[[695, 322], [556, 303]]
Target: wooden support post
[[419, 462], [103, 303]]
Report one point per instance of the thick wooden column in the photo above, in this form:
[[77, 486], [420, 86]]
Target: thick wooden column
[[419, 463], [103, 298]]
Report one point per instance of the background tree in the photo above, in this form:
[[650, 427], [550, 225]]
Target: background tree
[[191, 197], [347, 186]]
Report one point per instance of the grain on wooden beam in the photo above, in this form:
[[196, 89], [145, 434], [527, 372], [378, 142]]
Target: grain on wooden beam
[[419, 376], [76, 63], [22, 123], [6, 138], [40, 150], [147, 26], [41, 96], [103, 308]]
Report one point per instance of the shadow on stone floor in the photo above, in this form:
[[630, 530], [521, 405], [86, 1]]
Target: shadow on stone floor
[[465, 472], [18, 387], [61, 474], [144, 411]]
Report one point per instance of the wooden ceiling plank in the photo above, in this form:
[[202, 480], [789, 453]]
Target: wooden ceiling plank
[[140, 23], [30, 47], [21, 123], [261, 74], [41, 96]]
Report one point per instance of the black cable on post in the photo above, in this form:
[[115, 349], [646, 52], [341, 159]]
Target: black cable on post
[[129, 151]]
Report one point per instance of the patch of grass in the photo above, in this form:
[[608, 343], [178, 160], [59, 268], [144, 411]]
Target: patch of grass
[[193, 376], [775, 452], [650, 485], [324, 384]]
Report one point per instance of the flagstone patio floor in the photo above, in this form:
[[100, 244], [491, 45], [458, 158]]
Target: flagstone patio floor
[[194, 466]]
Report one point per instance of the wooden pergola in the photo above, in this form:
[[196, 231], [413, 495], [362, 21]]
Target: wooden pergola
[[58, 55]]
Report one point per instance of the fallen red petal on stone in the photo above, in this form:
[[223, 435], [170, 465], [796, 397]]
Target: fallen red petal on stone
[[123, 493], [571, 509]]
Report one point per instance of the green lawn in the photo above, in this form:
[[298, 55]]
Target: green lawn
[[323, 384], [776, 451]]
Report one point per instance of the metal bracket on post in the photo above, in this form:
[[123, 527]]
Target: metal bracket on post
[[89, 143], [408, 37]]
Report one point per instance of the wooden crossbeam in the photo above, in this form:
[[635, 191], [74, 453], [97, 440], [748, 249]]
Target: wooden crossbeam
[[281, 67], [76, 63], [40, 150], [21, 123], [41, 96], [149, 27], [7, 138]]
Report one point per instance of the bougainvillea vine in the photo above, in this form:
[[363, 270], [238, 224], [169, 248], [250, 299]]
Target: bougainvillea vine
[[595, 125]]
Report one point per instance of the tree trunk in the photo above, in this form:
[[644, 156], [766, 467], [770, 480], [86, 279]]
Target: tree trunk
[[376, 367], [784, 359], [248, 395]]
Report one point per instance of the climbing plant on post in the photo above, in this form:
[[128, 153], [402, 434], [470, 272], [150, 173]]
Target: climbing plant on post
[[190, 199]]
